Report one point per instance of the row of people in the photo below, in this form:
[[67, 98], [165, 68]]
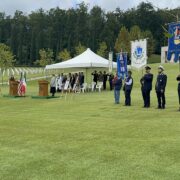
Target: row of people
[[57, 84], [103, 77], [146, 87]]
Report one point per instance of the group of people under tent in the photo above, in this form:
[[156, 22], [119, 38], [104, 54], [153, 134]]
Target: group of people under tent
[[58, 83]]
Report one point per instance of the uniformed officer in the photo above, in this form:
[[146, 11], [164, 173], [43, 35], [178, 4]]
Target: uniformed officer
[[128, 84], [178, 79], [146, 86], [160, 87]]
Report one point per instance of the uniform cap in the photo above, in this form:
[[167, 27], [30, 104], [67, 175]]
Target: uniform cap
[[147, 67], [161, 67]]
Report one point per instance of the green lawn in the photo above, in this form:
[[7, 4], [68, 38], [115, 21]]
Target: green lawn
[[87, 136], [154, 58]]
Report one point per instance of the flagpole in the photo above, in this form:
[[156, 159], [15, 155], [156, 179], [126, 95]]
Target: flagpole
[[179, 63]]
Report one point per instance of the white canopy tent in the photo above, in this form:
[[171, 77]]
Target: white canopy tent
[[87, 59]]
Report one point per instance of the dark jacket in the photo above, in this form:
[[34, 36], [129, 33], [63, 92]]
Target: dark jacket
[[95, 77], [105, 77], [111, 77], [146, 82], [117, 84], [178, 79], [161, 82], [81, 79], [128, 87], [101, 77]]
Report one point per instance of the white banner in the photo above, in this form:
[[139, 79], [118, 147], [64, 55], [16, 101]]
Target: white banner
[[139, 53], [110, 62]]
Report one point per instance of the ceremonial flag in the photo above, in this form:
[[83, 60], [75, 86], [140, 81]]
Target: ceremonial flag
[[22, 85], [122, 64], [139, 53], [174, 41]]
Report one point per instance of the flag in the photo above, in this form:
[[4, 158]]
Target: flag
[[139, 53], [22, 85], [174, 41], [122, 64]]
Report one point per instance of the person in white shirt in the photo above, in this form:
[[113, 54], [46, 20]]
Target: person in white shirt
[[128, 84], [53, 85], [59, 83]]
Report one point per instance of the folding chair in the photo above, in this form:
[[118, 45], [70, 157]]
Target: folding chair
[[99, 86]]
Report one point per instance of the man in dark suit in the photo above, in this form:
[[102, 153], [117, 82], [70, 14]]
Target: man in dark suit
[[146, 86], [111, 77], [160, 87], [81, 79], [128, 84], [95, 78], [104, 80]]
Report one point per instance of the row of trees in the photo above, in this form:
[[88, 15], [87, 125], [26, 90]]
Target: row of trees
[[65, 33]]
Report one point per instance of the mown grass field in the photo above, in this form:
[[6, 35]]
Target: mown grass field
[[88, 137]]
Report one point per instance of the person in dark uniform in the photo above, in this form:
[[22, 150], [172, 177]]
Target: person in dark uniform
[[146, 86], [160, 87], [128, 84], [178, 79], [111, 77], [104, 80], [95, 78]]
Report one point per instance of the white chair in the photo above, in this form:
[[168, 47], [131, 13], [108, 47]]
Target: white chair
[[74, 88], [99, 86], [92, 86], [84, 87]]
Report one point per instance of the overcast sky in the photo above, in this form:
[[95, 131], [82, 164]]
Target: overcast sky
[[9, 6]]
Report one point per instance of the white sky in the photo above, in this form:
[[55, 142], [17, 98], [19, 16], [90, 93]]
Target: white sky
[[9, 6]]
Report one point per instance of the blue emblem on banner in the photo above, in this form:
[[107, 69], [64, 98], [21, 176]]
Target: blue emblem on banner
[[138, 52]]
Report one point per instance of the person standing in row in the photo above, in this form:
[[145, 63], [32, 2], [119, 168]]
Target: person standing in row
[[104, 80], [128, 84], [100, 77], [117, 81], [111, 77], [95, 78], [178, 79], [53, 85], [160, 87], [59, 82], [146, 86], [81, 79]]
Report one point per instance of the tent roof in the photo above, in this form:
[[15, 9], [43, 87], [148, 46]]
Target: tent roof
[[87, 59]]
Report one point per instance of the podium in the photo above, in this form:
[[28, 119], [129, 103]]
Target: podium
[[13, 88], [43, 88]]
